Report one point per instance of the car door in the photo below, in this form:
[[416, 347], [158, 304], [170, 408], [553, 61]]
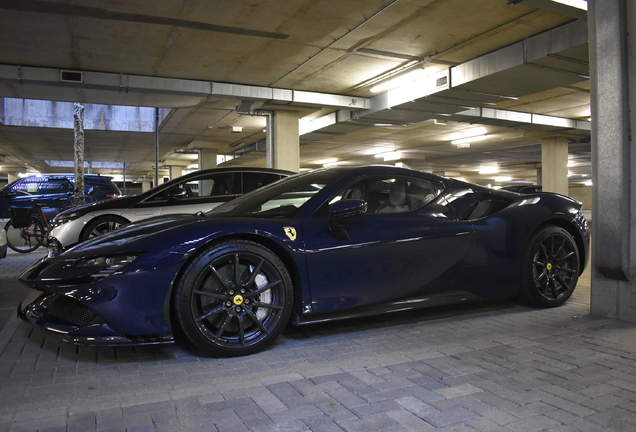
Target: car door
[[396, 250], [202, 193]]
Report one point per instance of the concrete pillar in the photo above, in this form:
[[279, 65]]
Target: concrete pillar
[[554, 165], [613, 97], [207, 159], [12, 176], [286, 141], [175, 171], [146, 184]]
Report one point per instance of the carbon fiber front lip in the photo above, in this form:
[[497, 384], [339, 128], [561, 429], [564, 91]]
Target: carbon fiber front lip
[[37, 315]]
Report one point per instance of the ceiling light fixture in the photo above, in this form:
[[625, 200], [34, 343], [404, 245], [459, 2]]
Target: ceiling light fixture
[[399, 81], [579, 4], [389, 156], [378, 150], [326, 161], [469, 139], [489, 169], [503, 179], [331, 164]]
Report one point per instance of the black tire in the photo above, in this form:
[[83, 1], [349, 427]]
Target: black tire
[[228, 310], [26, 239], [102, 225], [551, 268]]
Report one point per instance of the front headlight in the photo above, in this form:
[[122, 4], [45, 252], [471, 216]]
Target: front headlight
[[64, 217], [106, 265]]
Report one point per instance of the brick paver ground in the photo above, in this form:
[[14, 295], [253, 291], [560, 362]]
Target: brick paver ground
[[492, 367]]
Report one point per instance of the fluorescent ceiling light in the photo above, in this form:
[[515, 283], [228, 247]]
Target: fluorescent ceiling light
[[378, 150], [467, 134], [326, 161], [399, 81], [389, 156], [469, 139], [331, 164], [491, 169], [502, 179], [463, 146], [579, 4]]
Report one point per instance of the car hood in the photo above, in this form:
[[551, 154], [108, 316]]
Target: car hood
[[119, 203], [135, 236]]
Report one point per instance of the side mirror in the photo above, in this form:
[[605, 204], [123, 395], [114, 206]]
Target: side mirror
[[175, 194], [342, 211]]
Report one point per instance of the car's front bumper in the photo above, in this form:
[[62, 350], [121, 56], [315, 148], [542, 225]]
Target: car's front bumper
[[72, 321], [68, 233]]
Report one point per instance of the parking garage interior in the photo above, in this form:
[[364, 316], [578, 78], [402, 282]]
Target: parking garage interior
[[495, 92]]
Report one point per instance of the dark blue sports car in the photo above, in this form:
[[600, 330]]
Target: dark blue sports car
[[322, 245]]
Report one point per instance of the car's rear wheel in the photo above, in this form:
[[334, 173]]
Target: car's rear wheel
[[234, 299], [102, 225], [551, 268]]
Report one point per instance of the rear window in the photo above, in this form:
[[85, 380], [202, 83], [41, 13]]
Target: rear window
[[41, 186]]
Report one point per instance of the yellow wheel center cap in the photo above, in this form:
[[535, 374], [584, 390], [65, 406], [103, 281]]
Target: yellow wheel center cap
[[549, 266], [238, 300]]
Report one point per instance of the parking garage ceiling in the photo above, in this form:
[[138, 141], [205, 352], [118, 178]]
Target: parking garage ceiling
[[512, 72]]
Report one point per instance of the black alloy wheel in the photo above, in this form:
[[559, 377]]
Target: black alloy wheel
[[234, 299], [552, 267], [102, 225]]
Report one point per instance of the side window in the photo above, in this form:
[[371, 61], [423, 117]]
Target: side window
[[253, 181], [42, 186], [216, 184], [392, 194], [21, 187]]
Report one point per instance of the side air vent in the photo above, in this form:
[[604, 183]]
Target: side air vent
[[71, 76]]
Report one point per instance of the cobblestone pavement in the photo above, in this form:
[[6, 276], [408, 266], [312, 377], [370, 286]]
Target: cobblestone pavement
[[493, 366]]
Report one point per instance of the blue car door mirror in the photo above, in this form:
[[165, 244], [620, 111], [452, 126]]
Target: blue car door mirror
[[342, 211]]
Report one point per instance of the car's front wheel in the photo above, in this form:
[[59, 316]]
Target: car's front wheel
[[102, 225], [234, 298], [551, 268]]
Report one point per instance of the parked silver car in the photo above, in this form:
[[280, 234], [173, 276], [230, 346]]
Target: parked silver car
[[191, 193]]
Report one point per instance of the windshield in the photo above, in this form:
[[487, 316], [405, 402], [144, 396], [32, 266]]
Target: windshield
[[280, 200]]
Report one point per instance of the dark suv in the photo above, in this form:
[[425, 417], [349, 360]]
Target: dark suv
[[51, 190]]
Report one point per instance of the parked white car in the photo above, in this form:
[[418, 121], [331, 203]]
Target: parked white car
[[198, 191]]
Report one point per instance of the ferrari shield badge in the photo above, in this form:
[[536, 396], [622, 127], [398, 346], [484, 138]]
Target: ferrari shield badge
[[291, 233]]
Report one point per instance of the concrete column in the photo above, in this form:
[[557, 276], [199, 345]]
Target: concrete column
[[207, 159], [613, 97], [12, 176], [146, 184], [286, 141], [175, 171], [554, 165]]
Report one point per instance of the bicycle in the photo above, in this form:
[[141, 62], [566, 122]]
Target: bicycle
[[25, 231]]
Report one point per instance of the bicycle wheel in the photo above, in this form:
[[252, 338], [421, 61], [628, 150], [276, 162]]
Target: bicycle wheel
[[25, 239]]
